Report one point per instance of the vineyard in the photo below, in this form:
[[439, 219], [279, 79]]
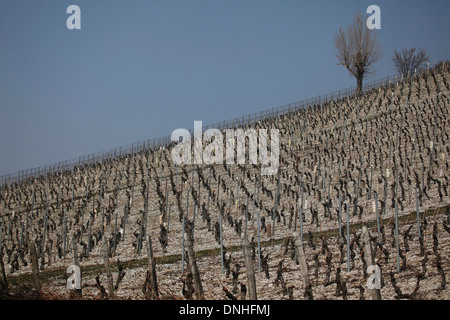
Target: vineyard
[[363, 181]]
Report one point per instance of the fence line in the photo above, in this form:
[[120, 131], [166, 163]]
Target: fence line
[[164, 141]]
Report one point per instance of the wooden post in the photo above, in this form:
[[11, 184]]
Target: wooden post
[[84, 208], [433, 142], [396, 236], [45, 228], [115, 236], [348, 239], [301, 207], [339, 217], [125, 213], [418, 214], [167, 201], [89, 238], [182, 244], [75, 251], [209, 192], [275, 206], [144, 219], [376, 293], [1, 231], [221, 235], [151, 275], [34, 266], [300, 255], [396, 219], [377, 215], [168, 218], [75, 262], [246, 216], [194, 269], [108, 269], [3, 280], [236, 196], [357, 188], [251, 281], [228, 188], [103, 222], [258, 225], [64, 232]]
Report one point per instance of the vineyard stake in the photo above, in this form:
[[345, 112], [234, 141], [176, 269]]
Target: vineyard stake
[[221, 235], [64, 232], [115, 235], [259, 240], [75, 251], [3, 279], [193, 262], [167, 199], [103, 221], [348, 239], [209, 191], [32, 206], [301, 207], [125, 220], [357, 189], [228, 188], [84, 208], [75, 260], [45, 226], [236, 194], [396, 218], [1, 233], [300, 254], [376, 293], [396, 236], [339, 217], [434, 136], [275, 206], [34, 266], [108, 268], [152, 267], [377, 215], [182, 246], [144, 218], [168, 218], [251, 281], [89, 237], [21, 233], [418, 214]]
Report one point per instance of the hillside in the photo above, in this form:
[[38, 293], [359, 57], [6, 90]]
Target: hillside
[[336, 158]]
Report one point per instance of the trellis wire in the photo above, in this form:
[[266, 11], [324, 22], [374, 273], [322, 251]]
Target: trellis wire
[[165, 141]]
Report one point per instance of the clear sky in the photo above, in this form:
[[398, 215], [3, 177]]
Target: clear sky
[[141, 69]]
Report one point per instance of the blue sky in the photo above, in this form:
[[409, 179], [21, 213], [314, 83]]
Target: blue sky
[[141, 69]]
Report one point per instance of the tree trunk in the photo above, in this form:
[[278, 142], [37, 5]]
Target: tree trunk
[[359, 82], [359, 79]]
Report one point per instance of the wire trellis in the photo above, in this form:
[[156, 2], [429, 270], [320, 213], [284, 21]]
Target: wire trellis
[[165, 141]]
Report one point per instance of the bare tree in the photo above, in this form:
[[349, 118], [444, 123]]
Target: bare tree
[[357, 49], [408, 61]]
